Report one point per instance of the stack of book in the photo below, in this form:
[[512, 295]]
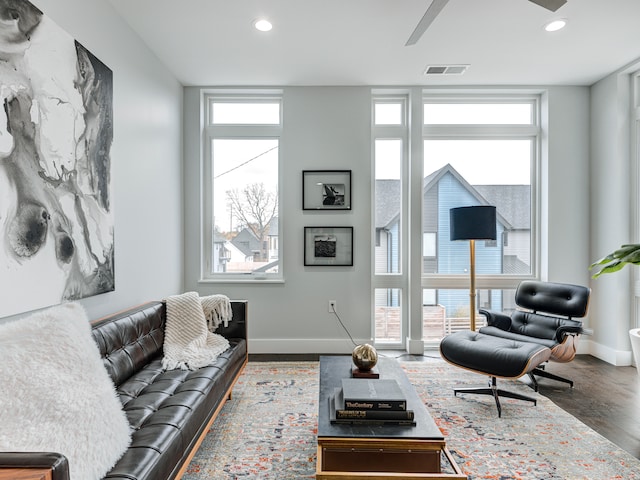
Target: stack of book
[[363, 401]]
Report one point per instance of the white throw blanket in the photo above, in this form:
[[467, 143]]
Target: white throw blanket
[[217, 309], [189, 342]]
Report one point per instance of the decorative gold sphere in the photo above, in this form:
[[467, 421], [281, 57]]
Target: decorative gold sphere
[[364, 356]]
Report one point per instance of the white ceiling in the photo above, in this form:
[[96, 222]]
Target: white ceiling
[[361, 42]]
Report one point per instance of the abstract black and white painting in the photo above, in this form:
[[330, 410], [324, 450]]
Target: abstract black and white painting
[[56, 217]]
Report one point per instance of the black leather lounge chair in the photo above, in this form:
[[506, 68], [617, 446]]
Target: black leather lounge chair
[[544, 327]]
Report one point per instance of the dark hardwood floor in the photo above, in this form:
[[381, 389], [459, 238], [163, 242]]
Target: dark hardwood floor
[[604, 397]]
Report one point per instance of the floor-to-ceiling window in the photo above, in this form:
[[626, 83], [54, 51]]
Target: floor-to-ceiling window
[[390, 152], [475, 150]]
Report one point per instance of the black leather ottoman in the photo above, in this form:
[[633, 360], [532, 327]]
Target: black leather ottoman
[[493, 356]]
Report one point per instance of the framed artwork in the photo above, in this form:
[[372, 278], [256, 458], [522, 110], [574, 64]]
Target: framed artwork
[[328, 246], [56, 212], [326, 189]]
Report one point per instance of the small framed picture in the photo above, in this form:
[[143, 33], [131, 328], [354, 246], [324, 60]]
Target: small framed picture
[[326, 189], [328, 246]]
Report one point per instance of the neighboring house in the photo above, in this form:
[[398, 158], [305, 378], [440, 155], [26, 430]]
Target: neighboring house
[[513, 202], [443, 190], [219, 253], [225, 252], [236, 255], [246, 242], [273, 243], [243, 252], [387, 220]]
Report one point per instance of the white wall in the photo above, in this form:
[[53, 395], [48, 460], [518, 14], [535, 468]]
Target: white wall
[[329, 127], [566, 181], [146, 156], [610, 207], [326, 128]]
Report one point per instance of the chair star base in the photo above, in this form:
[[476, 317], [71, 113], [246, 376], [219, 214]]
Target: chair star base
[[541, 372], [495, 392]]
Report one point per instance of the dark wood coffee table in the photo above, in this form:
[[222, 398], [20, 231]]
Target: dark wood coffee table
[[378, 451]]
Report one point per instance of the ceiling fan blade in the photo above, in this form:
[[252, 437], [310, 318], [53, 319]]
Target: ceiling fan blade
[[429, 16], [552, 5]]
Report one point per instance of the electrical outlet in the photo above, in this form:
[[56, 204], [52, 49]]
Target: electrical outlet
[[332, 306]]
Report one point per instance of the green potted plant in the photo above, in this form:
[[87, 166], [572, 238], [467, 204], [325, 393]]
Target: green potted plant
[[628, 254]]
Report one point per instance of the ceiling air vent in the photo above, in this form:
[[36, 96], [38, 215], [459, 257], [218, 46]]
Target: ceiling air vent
[[445, 69]]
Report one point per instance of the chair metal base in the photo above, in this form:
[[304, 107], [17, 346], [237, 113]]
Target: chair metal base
[[496, 392], [541, 372]]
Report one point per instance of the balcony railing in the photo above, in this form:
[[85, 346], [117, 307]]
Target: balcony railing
[[435, 323]]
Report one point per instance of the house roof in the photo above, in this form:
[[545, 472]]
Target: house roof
[[246, 242], [512, 202], [431, 180], [512, 265], [273, 227], [217, 238], [386, 211]]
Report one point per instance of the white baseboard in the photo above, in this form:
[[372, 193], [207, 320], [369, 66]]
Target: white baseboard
[[302, 345], [619, 358]]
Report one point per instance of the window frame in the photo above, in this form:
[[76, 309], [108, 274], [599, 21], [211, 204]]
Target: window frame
[[393, 280], [495, 132], [235, 131]]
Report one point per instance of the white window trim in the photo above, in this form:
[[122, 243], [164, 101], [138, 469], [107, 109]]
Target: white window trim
[[399, 280], [211, 131], [506, 131]]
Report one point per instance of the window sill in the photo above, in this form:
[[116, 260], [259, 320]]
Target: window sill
[[242, 279]]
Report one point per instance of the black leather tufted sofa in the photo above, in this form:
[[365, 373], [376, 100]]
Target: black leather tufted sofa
[[170, 411]]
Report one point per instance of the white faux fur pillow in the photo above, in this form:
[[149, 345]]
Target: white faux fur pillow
[[55, 394]]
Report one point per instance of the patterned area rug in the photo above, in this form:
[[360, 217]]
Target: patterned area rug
[[268, 429]]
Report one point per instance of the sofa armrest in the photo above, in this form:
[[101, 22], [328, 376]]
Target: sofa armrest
[[237, 327], [14, 464]]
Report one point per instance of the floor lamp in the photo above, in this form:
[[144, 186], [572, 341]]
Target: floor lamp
[[473, 223]]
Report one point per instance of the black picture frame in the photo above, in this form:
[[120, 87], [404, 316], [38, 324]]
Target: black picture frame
[[328, 246], [326, 189]]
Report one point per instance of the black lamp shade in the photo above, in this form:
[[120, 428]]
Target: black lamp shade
[[473, 223]]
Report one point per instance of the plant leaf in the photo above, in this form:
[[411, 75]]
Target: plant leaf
[[613, 267], [603, 261]]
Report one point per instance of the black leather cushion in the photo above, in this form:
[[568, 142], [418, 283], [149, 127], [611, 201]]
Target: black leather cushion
[[497, 332], [495, 356], [540, 326], [130, 340], [553, 298], [169, 410]]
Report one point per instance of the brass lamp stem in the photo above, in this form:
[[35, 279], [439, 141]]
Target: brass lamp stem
[[472, 288]]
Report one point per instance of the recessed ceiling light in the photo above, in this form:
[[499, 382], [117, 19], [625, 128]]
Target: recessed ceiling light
[[555, 25], [263, 25]]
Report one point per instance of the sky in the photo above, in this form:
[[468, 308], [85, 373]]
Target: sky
[[480, 162]]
